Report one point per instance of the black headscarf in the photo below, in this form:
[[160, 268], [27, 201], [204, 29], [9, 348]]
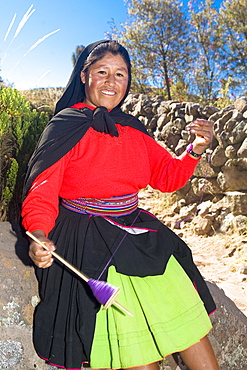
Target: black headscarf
[[69, 125], [75, 91]]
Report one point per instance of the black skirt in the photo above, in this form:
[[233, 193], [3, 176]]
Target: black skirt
[[64, 320]]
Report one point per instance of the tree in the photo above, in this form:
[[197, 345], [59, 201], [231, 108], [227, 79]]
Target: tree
[[233, 27], [156, 34], [76, 54], [206, 68]]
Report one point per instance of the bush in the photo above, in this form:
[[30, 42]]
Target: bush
[[20, 128]]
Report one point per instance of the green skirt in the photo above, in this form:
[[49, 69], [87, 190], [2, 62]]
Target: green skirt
[[169, 317]]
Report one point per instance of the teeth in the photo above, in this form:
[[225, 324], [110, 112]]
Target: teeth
[[107, 92]]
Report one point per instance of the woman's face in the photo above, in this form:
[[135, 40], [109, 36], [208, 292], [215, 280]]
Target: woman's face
[[106, 81]]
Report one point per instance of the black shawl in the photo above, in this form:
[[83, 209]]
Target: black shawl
[[67, 128]]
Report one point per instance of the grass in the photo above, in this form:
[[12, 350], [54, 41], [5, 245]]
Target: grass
[[43, 99]]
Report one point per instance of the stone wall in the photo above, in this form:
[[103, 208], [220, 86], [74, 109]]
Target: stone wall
[[221, 175]]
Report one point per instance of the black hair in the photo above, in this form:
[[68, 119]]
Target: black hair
[[101, 50]]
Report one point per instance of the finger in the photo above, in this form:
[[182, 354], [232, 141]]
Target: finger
[[203, 130], [40, 256], [43, 244], [44, 264], [41, 261]]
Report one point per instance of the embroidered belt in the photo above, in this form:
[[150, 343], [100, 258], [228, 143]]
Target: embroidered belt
[[115, 206]]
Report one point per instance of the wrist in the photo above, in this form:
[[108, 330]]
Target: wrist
[[38, 233], [193, 152]]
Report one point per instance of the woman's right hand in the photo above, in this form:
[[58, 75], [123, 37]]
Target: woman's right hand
[[40, 256]]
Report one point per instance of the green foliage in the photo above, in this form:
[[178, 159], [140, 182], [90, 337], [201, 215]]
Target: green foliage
[[10, 182], [20, 128], [224, 99]]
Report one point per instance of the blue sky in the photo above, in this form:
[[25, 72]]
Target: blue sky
[[39, 55]]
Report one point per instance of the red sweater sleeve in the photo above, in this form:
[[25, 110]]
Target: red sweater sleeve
[[40, 207], [168, 173]]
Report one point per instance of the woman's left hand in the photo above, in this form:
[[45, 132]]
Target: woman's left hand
[[203, 130]]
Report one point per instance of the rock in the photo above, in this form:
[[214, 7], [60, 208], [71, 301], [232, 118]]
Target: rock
[[204, 208], [209, 111], [163, 107], [186, 135], [242, 151], [232, 176], [170, 135], [231, 151], [215, 116], [202, 226], [138, 109], [238, 134], [204, 167], [189, 118], [226, 222], [191, 109], [18, 298], [243, 269], [187, 212], [205, 186], [181, 146], [152, 123], [240, 223], [218, 157], [162, 121], [241, 104], [229, 332], [237, 202]]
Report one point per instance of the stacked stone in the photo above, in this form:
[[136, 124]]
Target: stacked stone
[[221, 175]]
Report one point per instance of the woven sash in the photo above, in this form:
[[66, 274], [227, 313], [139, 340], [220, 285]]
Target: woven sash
[[115, 206]]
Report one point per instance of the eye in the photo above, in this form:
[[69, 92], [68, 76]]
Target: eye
[[101, 72], [121, 75]]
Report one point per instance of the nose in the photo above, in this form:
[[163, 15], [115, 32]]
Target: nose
[[110, 79]]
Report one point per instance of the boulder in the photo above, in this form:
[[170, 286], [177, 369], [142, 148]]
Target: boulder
[[237, 202], [238, 133], [218, 157], [232, 176], [241, 104], [205, 168], [202, 225], [19, 295], [242, 151]]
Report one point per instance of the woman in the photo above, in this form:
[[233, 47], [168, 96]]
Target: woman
[[82, 185]]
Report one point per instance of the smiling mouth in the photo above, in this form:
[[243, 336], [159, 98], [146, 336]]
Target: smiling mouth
[[109, 93]]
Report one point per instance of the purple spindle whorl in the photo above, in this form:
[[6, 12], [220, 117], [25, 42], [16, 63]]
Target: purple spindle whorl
[[102, 290]]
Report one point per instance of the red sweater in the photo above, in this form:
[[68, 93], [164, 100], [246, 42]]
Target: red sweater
[[103, 166]]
